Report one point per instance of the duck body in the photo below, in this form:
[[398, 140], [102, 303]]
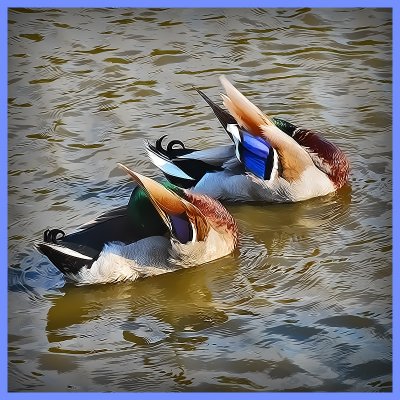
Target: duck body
[[270, 159], [163, 229], [246, 188], [117, 261]]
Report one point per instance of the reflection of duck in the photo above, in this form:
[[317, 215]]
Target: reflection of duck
[[200, 230], [179, 303], [275, 160], [276, 229]]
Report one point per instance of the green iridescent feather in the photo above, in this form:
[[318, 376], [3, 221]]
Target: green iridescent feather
[[144, 217], [284, 126]]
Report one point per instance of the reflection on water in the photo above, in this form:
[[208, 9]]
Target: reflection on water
[[303, 304]]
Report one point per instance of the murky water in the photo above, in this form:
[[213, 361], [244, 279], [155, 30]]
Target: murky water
[[305, 302]]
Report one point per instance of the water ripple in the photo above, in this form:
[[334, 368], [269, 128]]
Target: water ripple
[[304, 303]]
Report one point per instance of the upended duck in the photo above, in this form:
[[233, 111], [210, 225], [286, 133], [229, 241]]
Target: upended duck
[[270, 160], [162, 229]]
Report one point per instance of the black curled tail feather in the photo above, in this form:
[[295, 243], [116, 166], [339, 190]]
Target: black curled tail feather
[[66, 260], [158, 145], [51, 235], [182, 167], [170, 151], [67, 254], [172, 143]]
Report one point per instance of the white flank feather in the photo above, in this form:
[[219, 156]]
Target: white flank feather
[[167, 167], [67, 251]]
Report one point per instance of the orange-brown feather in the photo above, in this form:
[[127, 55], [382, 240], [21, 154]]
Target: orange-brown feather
[[214, 212], [170, 203], [293, 158], [249, 116]]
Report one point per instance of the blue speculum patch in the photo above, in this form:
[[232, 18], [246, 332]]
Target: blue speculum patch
[[256, 154], [181, 228]]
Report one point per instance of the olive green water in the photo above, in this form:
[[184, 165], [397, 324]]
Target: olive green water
[[304, 303]]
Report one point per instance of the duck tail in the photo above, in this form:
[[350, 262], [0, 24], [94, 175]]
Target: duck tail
[[67, 260], [166, 159], [70, 253]]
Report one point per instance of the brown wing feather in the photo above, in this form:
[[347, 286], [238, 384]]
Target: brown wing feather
[[214, 212], [293, 158], [328, 157], [243, 110], [169, 202]]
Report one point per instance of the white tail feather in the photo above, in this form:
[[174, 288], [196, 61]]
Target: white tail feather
[[67, 251], [166, 166]]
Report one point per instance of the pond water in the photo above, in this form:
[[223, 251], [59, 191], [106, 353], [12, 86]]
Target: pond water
[[305, 302]]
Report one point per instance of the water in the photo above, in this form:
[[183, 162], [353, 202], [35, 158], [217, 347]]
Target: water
[[303, 304]]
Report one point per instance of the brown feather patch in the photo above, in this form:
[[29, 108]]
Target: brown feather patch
[[197, 218], [214, 212], [167, 202], [243, 110], [293, 158], [331, 159]]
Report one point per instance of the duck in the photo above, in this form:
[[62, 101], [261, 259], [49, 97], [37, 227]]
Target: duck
[[163, 228], [268, 159]]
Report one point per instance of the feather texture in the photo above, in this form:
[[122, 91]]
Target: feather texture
[[189, 167], [247, 115], [168, 203], [200, 228], [285, 163]]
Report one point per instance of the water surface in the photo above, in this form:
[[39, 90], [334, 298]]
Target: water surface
[[303, 304]]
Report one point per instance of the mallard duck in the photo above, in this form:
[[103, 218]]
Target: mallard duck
[[270, 160], [162, 229]]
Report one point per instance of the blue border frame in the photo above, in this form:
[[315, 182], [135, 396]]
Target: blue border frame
[[4, 5]]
